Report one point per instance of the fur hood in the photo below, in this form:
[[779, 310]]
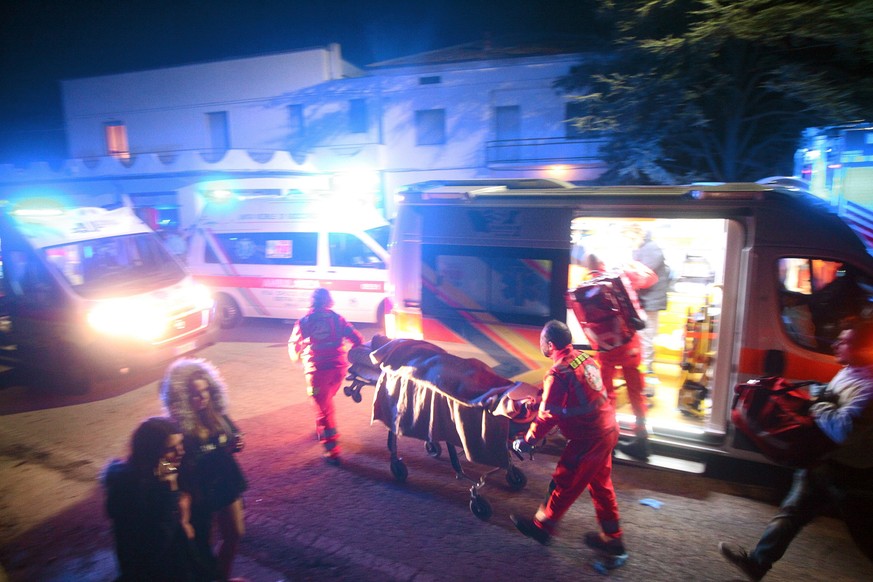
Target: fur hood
[[174, 390]]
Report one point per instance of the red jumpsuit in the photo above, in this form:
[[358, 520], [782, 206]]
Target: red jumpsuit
[[629, 355], [574, 399], [319, 338]]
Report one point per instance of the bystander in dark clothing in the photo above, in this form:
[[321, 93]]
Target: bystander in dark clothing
[[844, 412], [653, 299], [149, 512], [195, 395], [320, 339]]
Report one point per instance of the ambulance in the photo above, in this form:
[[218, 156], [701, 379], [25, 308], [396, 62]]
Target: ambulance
[[263, 251], [764, 276], [90, 292]]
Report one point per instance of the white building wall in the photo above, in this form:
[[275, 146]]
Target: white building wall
[[165, 114], [469, 93], [165, 109]]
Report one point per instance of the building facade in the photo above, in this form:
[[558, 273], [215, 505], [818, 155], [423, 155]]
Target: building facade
[[473, 111]]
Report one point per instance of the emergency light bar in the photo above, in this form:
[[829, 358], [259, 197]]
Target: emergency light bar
[[466, 190], [37, 207]]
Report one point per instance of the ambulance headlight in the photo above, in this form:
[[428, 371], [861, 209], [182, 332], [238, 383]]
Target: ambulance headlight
[[201, 297], [128, 318]]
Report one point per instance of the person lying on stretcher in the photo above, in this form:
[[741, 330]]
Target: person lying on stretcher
[[468, 380]]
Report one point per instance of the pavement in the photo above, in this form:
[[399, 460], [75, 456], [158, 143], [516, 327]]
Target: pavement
[[307, 521]]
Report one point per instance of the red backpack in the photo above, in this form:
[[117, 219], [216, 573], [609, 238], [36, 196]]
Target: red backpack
[[774, 414], [605, 311]]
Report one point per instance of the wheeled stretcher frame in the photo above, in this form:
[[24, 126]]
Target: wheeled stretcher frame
[[363, 372]]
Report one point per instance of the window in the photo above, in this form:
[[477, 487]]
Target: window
[[219, 137], [430, 127], [817, 297], [434, 80], [347, 250], [573, 109], [133, 262], [507, 283], [358, 116], [296, 125], [266, 248], [116, 140], [507, 120]]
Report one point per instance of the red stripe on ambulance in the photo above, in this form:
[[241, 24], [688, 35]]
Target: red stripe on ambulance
[[241, 282]]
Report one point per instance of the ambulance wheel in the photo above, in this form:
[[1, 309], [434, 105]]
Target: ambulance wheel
[[399, 470], [515, 478], [481, 508], [433, 449], [227, 312]]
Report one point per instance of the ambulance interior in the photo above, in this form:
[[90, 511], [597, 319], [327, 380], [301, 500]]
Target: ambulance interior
[[815, 295]]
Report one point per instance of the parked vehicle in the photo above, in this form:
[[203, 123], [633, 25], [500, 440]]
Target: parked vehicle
[[765, 277], [264, 253], [835, 163], [88, 292]]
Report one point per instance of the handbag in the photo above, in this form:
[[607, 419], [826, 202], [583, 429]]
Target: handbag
[[774, 414]]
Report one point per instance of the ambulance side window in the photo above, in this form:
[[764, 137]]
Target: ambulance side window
[[817, 297], [266, 248], [347, 250]]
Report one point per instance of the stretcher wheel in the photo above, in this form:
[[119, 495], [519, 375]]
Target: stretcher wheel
[[481, 508], [433, 449], [516, 478], [399, 470], [348, 391], [356, 396]]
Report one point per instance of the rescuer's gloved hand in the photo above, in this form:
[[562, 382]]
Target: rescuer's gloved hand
[[521, 447]]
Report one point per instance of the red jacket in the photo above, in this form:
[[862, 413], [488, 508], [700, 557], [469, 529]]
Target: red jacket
[[574, 399], [319, 339]]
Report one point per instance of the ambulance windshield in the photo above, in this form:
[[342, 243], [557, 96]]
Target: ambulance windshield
[[101, 267]]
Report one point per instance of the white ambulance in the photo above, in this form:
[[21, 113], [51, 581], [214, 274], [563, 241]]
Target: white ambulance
[[765, 278], [88, 291], [263, 252]]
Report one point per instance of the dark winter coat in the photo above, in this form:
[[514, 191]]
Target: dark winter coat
[[150, 542]]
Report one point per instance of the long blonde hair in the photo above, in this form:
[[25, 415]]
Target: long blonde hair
[[208, 422], [176, 397]]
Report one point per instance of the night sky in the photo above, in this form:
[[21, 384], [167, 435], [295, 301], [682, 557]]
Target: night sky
[[45, 41]]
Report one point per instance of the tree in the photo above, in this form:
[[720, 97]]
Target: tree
[[719, 89]]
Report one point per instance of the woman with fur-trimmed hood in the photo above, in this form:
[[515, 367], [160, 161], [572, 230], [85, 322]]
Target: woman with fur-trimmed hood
[[195, 396]]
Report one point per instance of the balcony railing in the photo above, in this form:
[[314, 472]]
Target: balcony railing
[[543, 151]]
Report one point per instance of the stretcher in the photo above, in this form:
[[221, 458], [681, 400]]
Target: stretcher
[[423, 392]]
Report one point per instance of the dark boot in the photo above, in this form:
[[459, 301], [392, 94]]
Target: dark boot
[[639, 447]]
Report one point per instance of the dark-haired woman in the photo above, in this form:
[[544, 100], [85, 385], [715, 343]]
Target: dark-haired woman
[[149, 512]]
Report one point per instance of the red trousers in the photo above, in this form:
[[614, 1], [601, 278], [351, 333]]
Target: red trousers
[[629, 356], [323, 386], [584, 464]]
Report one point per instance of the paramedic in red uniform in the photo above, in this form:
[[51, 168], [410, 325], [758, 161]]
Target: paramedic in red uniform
[[319, 339], [628, 356], [575, 400]]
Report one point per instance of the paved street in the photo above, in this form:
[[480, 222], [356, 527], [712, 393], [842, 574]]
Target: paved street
[[308, 521]]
